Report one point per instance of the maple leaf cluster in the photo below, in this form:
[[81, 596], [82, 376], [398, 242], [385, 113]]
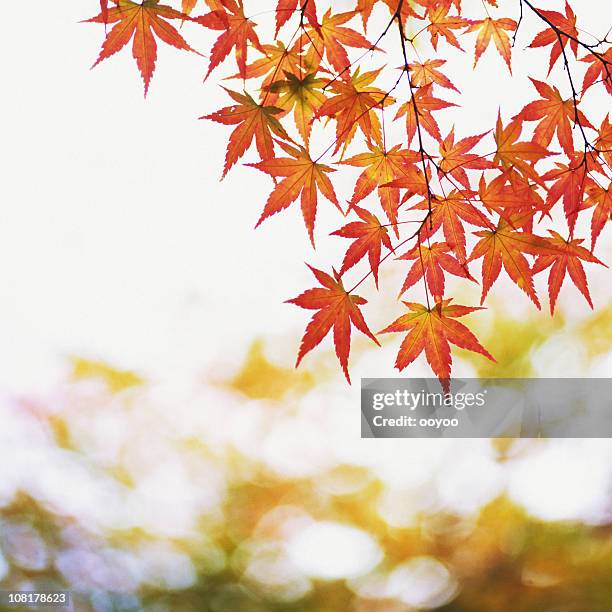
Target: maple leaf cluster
[[433, 202]]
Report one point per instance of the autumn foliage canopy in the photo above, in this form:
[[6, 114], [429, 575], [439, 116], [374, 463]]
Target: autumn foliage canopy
[[438, 202]]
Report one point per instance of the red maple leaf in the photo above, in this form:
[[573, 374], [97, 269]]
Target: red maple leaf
[[336, 308], [425, 73], [506, 245], [213, 5], [301, 176], [493, 29], [277, 58], [566, 24], [286, 9], [604, 139], [554, 114], [365, 7], [369, 237], [236, 33], [443, 24], [447, 5], [570, 183], [509, 193], [602, 200], [354, 105], [382, 167], [332, 37], [104, 10], [433, 330], [520, 155], [254, 121], [600, 69], [142, 22], [456, 159], [451, 212], [566, 258], [426, 103], [431, 262]]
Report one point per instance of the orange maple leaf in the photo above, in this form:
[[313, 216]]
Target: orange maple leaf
[[426, 104], [554, 114], [301, 93], [213, 5], [236, 33], [381, 168], [508, 194], [521, 155], [602, 200], [104, 10], [369, 237], [446, 4], [404, 7], [604, 139], [365, 7], [455, 158], [354, 105], [331, 38], [285, 9], [140, 22], [431, 262], [451, 212], [570, 183], [600, 69], [566, 24], [433, 330], [443, 24], [493, 29], [565, 259], [336, 308], [301, 175], [254, 121], [427, 72], [506, 245], [277, 58]]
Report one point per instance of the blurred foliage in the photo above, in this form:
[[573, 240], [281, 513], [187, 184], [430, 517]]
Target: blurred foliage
[[117, 380], [503, 559], [521, 337], [259, 378], [175, 505], [596, 332]]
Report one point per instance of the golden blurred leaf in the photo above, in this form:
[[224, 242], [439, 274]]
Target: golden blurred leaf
[[116, 380], [258, 378], [515, 341], [596, 332]]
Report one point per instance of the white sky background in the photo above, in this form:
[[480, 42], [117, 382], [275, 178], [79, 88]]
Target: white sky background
[[117, 240]]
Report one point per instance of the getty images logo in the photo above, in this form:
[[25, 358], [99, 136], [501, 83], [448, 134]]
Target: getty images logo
[[411, 400]]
